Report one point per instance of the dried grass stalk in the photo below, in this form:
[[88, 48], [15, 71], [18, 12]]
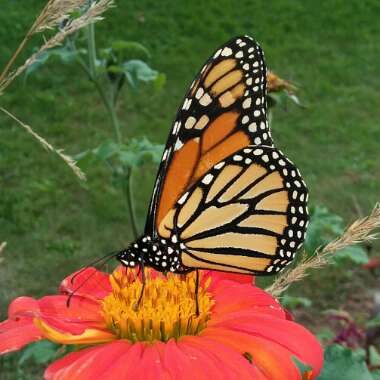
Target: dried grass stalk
[[67, 159], [362, 230], [2, 247], [55, 12], [92, 14]]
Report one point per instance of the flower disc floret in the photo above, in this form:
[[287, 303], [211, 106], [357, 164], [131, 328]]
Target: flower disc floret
[[167, 308]]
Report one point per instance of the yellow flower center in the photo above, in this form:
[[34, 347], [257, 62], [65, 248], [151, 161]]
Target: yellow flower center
[[167, 309]]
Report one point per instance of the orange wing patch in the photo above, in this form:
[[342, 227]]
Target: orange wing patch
[[219, 129], [229, 146], [178, 176], [197, 156]]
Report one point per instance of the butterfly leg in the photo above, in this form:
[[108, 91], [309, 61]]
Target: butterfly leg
[[143, 280], [197, 292]]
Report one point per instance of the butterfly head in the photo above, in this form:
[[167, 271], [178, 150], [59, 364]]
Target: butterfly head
[[159, 254]]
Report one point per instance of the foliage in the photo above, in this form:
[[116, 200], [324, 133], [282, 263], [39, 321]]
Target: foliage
[[41, 352], [375, 322], [325, 226], [341, 363], [135, 153], [292, 302]]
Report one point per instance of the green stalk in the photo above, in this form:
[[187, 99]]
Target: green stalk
[[109, 104], [128, 191], [91, 44]]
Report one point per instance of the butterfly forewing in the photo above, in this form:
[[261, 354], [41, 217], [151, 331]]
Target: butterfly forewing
[[223, 112], [248, 214]]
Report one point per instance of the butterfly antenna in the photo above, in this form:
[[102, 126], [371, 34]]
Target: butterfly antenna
[[86, 280], [97, 261]]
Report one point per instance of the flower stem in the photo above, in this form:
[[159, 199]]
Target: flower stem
[[128, 191], [108, 102], [91, 45]]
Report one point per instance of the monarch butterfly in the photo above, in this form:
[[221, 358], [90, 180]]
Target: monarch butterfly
[[225, 198]]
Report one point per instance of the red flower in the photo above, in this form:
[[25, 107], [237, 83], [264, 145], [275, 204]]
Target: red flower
[[241, 332]]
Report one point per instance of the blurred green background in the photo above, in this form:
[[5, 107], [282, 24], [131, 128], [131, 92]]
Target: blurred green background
[[53, 224]]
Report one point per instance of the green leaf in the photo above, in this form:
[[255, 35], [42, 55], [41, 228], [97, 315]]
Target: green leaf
[[292, 302], [303, 368], [40, 352], [138, 152], [374, 356], [325, 335], [135, 153], [355, 254], [130, 50], [64, 53], [136, 70], [38, 63], [341, 363], [106, 150], [84, 159], [375, 322]]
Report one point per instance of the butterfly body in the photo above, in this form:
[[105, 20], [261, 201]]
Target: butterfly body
[[161, 254], [225, 197]]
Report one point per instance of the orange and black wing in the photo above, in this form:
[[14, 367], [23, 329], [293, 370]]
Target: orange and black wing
[[248, 214], [223, 112]]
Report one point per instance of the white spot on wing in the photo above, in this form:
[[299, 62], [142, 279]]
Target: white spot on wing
[[183, 198], [219, 165], [226, 52], [199, 93], [207, 179], [247, 103], [216, 55], [178, 144]]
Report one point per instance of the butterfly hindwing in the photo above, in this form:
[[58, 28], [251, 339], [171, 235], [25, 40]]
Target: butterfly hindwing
[[223, 112], [247, 214]]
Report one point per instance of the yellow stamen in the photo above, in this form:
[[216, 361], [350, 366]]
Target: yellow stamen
[[167, 309]]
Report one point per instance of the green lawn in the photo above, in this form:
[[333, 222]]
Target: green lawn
[[53, 224]]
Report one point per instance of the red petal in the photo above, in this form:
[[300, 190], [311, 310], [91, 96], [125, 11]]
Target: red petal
[[91, 363], [82, 313], [203, 363], [128, 365], [226, 276], [290, 335], [23, 306], [230, 297], [271, 359], [92, 283], [150, 367], [178, 364], [230, 361], [15, 334]]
